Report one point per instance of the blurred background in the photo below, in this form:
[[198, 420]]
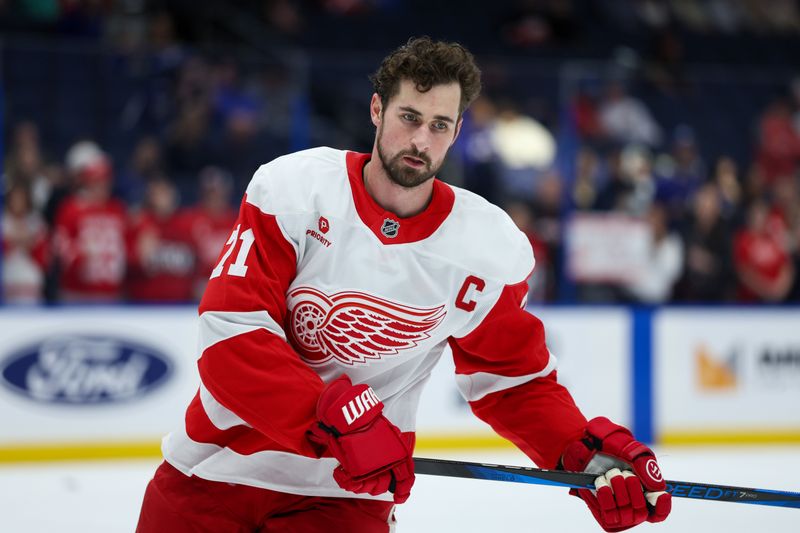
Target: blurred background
[[671, 128], [649, 149]]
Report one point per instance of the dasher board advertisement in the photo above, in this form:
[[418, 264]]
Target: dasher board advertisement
[[94, 376], [727, 375]]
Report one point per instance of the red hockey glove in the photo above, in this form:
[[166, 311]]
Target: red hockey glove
[[373, 457], [623, 498]]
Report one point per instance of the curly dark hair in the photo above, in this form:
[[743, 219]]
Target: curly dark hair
[[428, 63]]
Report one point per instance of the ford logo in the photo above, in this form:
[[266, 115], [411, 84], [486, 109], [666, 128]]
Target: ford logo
[[78, 369]]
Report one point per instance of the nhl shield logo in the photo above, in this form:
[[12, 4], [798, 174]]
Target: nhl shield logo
[[390, 228]]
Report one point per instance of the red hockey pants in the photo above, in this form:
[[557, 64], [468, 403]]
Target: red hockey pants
[[176, 503]]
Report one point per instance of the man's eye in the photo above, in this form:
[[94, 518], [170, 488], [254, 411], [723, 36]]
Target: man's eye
[[409, 117], [440, 125]]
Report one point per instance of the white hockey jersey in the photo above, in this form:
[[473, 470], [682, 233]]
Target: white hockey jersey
[[317, 280]]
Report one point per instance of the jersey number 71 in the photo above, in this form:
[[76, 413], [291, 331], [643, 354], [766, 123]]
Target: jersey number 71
[[238, 267]]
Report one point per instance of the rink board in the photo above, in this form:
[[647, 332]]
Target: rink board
[[89, 382], [727, 375], [79, 382], [93, 382]]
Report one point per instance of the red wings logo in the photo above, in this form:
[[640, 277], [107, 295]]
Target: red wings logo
[[354, 327]]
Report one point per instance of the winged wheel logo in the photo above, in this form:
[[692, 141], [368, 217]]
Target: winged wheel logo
[[354, 327]]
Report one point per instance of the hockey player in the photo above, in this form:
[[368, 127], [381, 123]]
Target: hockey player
[[344, 279]]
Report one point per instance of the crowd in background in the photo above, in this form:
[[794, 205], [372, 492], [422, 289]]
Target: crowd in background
[[143, 216], [68, 238]]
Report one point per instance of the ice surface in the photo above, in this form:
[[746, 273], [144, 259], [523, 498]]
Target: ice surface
[[104, 497]]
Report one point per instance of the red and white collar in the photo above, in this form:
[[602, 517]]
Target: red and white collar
[[410, 229]]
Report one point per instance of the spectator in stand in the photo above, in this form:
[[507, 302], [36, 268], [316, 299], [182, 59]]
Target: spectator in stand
[[585, 113], [547, 226], [764, 268], [540, 284], [783, 222], [242, 142], [163, 57], [617, 188], [189, 146], [230, 96], [26, 163], [146, 162], [89, 231], [211, 222], [161, 250], [626, 120], [754, 185], [778, 150], [480, 156], [677, 189], [637, 167], [24, 249], [630, 185], [665, 264], [190, 137], [707, 274], [586, 186], [726, 177]]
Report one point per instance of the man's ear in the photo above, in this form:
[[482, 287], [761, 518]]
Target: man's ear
[[376, 109]]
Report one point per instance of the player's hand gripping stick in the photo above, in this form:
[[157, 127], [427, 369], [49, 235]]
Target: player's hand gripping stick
[[373, 457], [630, 488]]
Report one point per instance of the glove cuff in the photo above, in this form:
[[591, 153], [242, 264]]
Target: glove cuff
[[602, 428], [365, 454]]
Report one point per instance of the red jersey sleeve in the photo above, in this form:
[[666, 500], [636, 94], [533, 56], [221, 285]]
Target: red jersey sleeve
[[246, 364], [506, 372]]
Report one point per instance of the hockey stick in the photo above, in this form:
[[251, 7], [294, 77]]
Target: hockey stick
[[580, 480]]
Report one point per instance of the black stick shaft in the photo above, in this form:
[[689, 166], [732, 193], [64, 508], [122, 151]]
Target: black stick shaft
[[580, 480]]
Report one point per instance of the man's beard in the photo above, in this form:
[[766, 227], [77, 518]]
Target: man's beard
[[402, 174]]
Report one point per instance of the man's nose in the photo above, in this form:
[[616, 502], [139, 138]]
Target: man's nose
[[421, 140]]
